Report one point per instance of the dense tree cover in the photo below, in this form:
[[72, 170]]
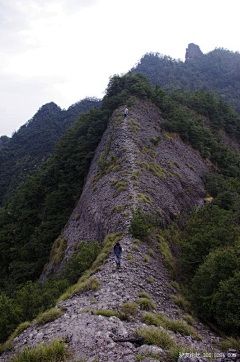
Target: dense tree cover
[[210, 255], [35, 216], [218, 70], [221, 115], [29, 299], [34, 142]]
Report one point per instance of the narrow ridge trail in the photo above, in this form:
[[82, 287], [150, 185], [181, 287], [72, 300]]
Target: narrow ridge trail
[[96, 337]]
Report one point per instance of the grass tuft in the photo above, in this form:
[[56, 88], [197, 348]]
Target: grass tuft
[[177, 326], [144, 295], [20, 328], [53, 352], [182, 303], [146, 304], [106, 312], [230, 342], [156, 336], [48, 316], [128, 309]]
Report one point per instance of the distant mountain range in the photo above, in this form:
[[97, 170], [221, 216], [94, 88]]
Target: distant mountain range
[[34, 142], [218, 71]]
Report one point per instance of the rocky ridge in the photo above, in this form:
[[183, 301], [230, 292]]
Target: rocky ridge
[[136, 164]]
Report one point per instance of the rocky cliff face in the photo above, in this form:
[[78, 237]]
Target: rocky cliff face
[[193, 51], [135, 165]]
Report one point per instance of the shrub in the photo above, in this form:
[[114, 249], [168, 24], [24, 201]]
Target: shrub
[[93, 284], [146, 304], [225, 304], [48, 316], [55, 351], [155, 336], [82, 259], [141, 224]]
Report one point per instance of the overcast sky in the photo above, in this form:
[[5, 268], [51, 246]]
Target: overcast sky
[[65, 50]]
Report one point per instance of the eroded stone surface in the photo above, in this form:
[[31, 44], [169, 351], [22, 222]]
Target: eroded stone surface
[[134, 143]]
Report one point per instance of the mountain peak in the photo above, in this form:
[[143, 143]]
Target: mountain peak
[[193, 51]]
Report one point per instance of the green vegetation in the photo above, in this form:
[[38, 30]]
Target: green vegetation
[[133, 126], [156, 336], [85, 282], [182, 303], [34, 143], [142, 224], [106, 312], [146, 304], [230, 342], [151, 252], [156, 140], [117, 208], [120, 186], [134, 247], [207, 242], [150, 280], [217, 71], [144, 295], [54, 351], [168, 258], [177, 326], [7, 345], [135, 175], [30, 299], [146, 259], [48, 316], [58, 250], [128, 309], [154, 168]]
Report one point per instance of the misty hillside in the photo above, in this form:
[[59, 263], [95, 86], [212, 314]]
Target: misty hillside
[[165, 183], [218, 70], [34, 142]]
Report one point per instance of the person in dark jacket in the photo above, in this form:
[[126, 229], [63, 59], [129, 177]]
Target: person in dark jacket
[[117, 249]]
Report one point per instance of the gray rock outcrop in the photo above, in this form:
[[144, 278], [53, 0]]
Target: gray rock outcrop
[[144, 167]]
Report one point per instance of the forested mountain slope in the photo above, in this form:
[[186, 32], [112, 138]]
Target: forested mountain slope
[[218, 70], [34, 142], [146, 175]]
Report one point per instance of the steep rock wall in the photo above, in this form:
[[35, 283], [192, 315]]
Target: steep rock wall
[[135, 165]]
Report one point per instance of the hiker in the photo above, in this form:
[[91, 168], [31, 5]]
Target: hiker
[[117, 249], [125, 112]]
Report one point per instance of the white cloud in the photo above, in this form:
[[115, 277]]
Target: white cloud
[[64, 50]]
